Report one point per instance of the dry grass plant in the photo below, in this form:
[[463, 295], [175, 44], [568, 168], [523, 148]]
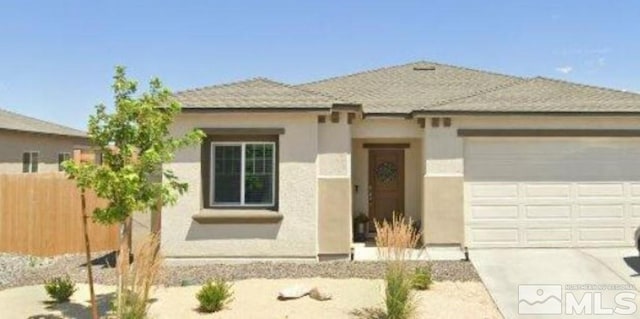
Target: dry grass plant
[[142, 276], [397, 238], [396, 241]]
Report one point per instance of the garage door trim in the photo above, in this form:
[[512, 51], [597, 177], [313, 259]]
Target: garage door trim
[[546, 133]]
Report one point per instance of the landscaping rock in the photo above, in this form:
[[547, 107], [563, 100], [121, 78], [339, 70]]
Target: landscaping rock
[[316, 294], [16, 270], [294, 292]]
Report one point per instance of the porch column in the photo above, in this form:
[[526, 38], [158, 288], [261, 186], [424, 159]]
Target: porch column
[[334, 187], [443, 183]]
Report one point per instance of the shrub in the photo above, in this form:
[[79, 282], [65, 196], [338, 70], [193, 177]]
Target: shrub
[[398, 297], [60, 288], [214, 295], [422, 278]]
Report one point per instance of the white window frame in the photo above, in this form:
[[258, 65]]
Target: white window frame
[[243, 146], [64, 154], [31, 161]]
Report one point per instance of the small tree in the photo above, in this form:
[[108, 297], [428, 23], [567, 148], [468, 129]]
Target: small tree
[[134, 142]]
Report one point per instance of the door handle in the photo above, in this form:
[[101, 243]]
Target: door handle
[[370, 194]]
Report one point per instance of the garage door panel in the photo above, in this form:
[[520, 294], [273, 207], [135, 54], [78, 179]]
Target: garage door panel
[[548, 211], [635, 189], [600, 190], [494, 190], [601, 234], [551, 192], [600, 211], [547, 190], [560, 236], [494, 212], [635, 210], [495, 236]]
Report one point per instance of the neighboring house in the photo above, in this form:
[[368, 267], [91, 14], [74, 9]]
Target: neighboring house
[[480, 159], [29, 145]]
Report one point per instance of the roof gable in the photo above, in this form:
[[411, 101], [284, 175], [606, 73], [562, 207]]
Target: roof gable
[[254, 93]]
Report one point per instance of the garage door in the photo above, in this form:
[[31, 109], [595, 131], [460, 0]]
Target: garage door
[[551, 192]]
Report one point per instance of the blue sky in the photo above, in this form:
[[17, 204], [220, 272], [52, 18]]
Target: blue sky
[[57, 57]]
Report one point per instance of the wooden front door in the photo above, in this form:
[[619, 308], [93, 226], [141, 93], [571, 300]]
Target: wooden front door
[[386, 183]]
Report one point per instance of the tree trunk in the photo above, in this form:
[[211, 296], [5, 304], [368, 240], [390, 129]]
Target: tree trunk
[[123, 262], [87, 246]]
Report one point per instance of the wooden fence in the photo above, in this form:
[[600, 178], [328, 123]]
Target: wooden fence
[[40, 215]]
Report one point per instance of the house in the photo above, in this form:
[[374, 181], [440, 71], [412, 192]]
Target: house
[[30, 145], [480, 159]]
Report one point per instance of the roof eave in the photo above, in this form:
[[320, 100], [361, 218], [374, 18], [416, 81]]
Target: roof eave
[[46, 133], [520, 113], [253, 109]]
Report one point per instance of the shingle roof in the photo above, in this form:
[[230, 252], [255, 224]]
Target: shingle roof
[[253, 93], [545, 95], [17, 122], [409, 87], [417, 87]]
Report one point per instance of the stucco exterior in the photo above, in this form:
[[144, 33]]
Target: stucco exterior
[[319, 166], [323, 179], [14, 143], [334, 189], [294, 237]]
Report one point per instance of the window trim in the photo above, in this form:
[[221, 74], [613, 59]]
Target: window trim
[[243, 145], [31, 163]]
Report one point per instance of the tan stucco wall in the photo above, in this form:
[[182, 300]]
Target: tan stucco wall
[[334, 188], [334, 148], [294, 237], [443, 220], [374, 127], [412, 178], [13, 144], [334, 219]]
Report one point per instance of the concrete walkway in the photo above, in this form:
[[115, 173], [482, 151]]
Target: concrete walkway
[[361, 252], [586, 276]]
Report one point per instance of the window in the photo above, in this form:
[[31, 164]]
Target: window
[[243, 173], [63, 156], [30, 162]]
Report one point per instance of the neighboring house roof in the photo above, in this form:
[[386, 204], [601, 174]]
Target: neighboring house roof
[[419, 87], [17, 122], [258, 93], [409, 87], [545, 95]]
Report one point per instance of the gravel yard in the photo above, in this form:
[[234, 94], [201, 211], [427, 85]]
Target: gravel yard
[[256, 298], [25, 270]]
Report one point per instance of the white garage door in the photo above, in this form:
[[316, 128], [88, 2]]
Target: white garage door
[[551, 192]]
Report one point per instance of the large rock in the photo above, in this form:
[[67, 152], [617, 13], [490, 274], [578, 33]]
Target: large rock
[[294, 292], [316, 294]]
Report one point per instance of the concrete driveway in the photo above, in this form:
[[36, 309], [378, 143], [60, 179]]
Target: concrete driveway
[[578, 283]]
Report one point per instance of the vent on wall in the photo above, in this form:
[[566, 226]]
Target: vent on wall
[[424, 68]]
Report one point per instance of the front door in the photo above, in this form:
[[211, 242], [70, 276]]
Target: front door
[[386, 183]]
